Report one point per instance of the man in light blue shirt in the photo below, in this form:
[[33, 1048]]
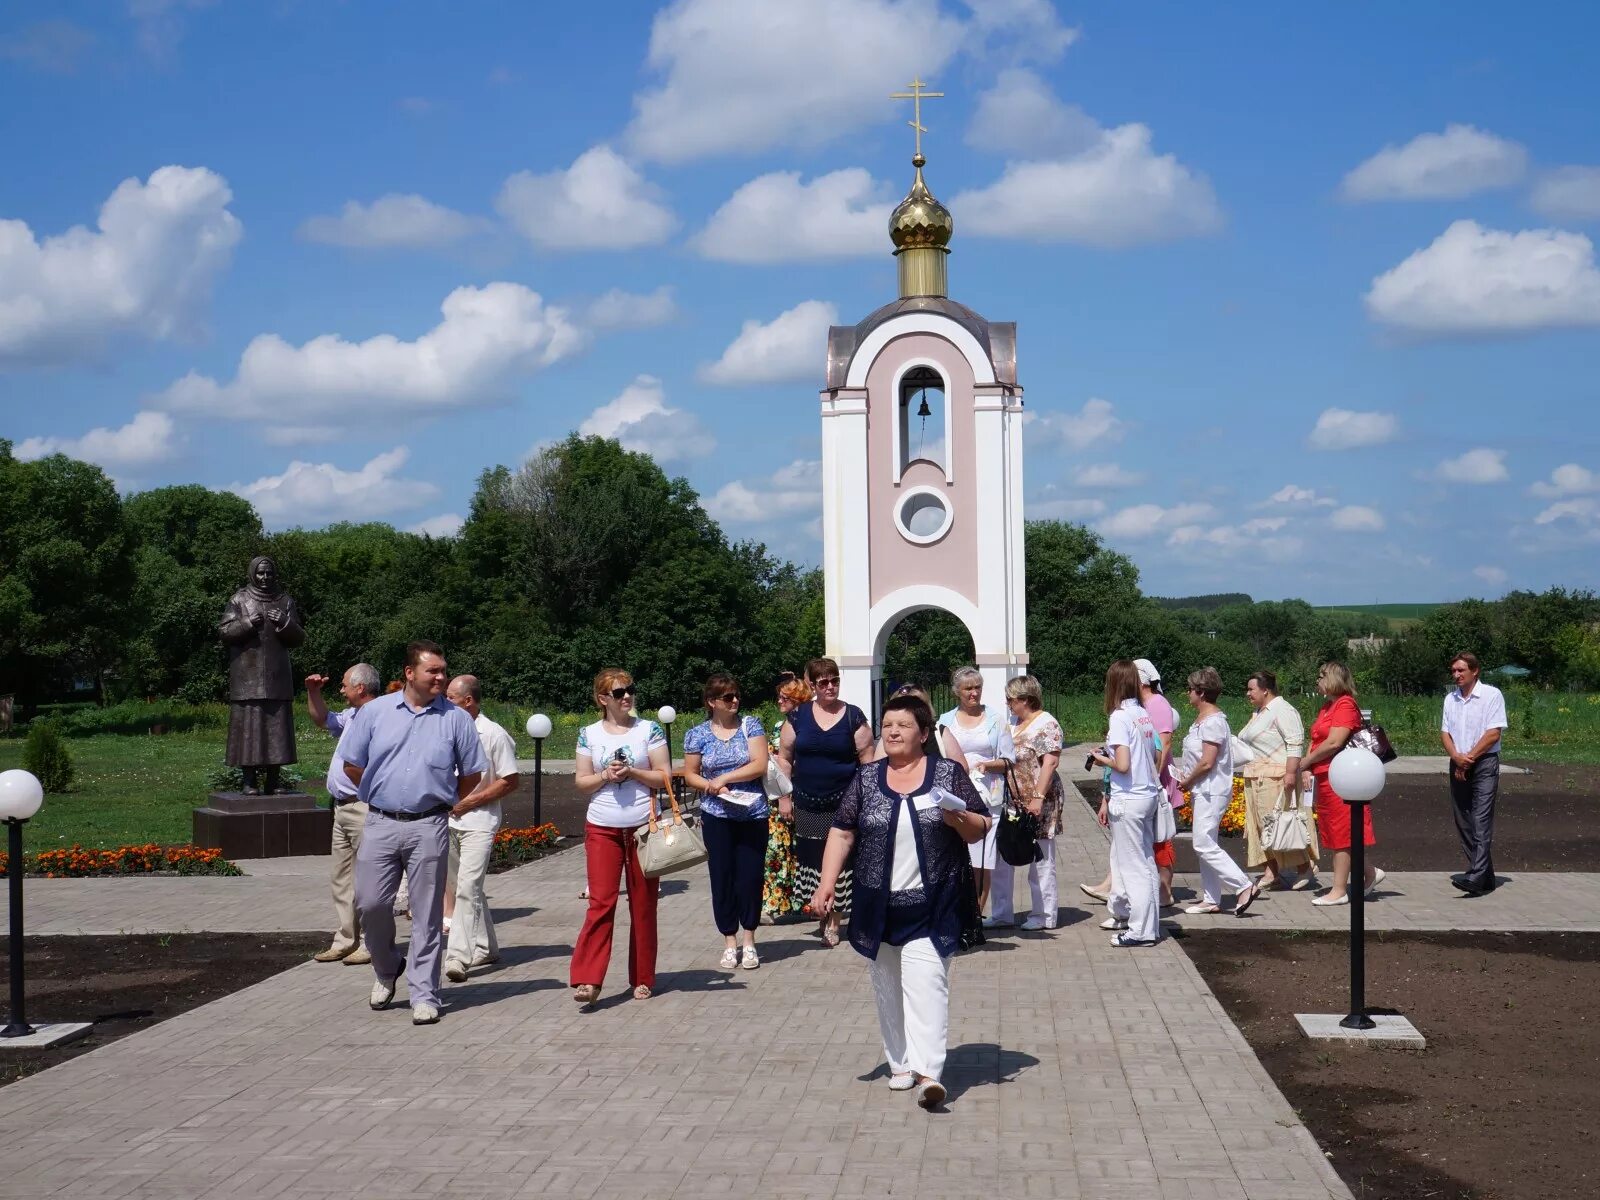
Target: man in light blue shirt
[[413, 755], [360, 685]]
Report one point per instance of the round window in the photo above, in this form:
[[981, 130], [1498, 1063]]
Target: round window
[[923, 515]]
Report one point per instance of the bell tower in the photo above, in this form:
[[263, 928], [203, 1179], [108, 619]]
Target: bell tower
[[922, 463]]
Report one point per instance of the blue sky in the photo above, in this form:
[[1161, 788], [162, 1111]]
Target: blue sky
[[1307, 298]]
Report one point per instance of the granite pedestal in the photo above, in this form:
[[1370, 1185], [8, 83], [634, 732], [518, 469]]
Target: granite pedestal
[[276, 826]]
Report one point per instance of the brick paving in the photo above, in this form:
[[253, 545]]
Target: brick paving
[[1075, 1071]]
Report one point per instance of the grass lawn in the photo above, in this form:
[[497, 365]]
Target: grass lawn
[[137, 787]]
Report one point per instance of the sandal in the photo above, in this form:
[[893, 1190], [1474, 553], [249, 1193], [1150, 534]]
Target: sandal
[[642, 992], [1200, 910], [830, 937], [586, 993], [730, 959]]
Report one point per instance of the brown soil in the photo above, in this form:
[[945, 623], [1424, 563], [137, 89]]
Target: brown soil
[[1548, 820], [125, 984], [1500, 1106]]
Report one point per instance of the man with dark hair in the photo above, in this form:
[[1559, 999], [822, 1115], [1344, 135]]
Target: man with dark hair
[[360, 686], [1474, 715], [414, 756]]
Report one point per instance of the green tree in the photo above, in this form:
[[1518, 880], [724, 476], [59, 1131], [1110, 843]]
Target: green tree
[[64, 575]]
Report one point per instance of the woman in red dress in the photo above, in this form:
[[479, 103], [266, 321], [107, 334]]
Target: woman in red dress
[[1338, 719]]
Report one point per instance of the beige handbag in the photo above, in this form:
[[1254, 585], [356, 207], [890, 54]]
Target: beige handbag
[[668, 844], [1283, 830]]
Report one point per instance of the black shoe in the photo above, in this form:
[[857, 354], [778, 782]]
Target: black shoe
[[1467, 887]]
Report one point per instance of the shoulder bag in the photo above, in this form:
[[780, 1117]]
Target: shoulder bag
[[669, 845], [1017, 840], [1372, 737], [1283, 830]]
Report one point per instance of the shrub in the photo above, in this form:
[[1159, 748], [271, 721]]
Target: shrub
[[46, 757], [231, 779]]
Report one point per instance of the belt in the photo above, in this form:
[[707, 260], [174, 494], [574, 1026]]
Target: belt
[[438, 810], [340, 802]]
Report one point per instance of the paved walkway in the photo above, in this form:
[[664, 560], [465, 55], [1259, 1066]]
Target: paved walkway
[[1075, 1071]]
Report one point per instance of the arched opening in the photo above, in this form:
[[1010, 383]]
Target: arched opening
[[923, 648], [922, 418]]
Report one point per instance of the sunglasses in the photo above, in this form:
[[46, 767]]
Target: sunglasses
[[730, 697], [826, 681], [619, 693]]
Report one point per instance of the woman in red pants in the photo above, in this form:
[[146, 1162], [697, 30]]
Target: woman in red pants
[[621, 760], [1338, 719]]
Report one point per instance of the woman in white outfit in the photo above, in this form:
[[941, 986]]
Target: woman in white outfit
[[1037, 737], [906, 817], [985, 741], [1130, 811], [1267, 753], [1206, 773]]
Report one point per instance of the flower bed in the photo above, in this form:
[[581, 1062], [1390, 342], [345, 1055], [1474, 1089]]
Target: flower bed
[[1232, 817], [76, 862], [513, 847]]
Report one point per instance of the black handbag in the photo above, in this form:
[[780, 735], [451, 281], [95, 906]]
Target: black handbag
[[1372, 737], [1017, 840]]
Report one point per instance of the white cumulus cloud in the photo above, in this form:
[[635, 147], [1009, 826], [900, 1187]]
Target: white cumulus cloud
[[1259, 538], [1584, 510], [599, 203], [1064, 509], [1494, 576], [776, 218], [1475, 466], [395, 221], [1291, 493], [1438, 166], [1356, 518], [1022, 116], [148, 439], [147, 269], [1569, 479], [1342, 429], [1096, 423], [489, 337], [736, 77], [1107, 475], [618, 309], [1118, 192], [316, 493], [1568, 194], [792, 346], [792, 490], [1145, 520], [442, 526], [1477, 280], [640, 418]]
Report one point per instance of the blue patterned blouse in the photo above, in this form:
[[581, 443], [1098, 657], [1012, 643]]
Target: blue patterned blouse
[[719, 756]]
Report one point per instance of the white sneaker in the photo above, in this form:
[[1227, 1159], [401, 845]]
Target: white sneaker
[[1113, 923], [997, 923], [1034, 924], [424, 1014], [902, 1083], [382, 994], [750, 960], [455, 971], [730, 959]]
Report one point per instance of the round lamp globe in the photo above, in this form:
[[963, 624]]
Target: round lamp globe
[[1356, 774], [538, 726], [20, 795], [667, 714]]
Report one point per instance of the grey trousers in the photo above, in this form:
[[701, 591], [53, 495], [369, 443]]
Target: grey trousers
[[420, 849], [1473, 798]]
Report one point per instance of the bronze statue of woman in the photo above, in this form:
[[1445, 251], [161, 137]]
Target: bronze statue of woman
[[261, 624]]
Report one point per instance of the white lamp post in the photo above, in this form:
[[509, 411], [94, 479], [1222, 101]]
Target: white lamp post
[[20, 797], [1357, 775], [538, 730], [666, 714]]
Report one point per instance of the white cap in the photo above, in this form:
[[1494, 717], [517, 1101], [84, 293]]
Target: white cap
[[1147, 671]]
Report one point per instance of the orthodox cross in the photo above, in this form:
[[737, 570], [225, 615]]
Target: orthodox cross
[[917, 95]]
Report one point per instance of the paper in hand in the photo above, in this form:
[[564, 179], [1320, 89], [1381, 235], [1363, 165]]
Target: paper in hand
[[949, 801]]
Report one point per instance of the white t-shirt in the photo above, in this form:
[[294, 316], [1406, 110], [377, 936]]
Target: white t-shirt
[[1214, 729], [627, 804], [501, 752], [906, 872], [1130, 726]]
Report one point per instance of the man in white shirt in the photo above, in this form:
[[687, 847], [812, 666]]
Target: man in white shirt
[[1474, 715], [359, 685], [473, 823]]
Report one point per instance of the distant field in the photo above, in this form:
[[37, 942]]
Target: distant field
[[1399, 616]]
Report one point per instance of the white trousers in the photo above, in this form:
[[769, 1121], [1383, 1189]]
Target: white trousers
[[911, 984], [1135, 885], [471, 927], [1218, 872], [1041, 883]]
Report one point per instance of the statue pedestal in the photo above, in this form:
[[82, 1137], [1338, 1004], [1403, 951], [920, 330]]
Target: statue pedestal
[[275, 826]]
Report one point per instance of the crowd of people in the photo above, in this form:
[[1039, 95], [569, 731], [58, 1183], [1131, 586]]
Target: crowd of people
[[904, 834]]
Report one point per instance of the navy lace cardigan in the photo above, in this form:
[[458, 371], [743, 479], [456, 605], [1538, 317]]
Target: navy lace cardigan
[[872, 812]]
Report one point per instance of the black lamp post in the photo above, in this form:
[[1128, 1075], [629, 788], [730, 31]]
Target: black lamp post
[[538, 730], [20, 797], [1357, 775]]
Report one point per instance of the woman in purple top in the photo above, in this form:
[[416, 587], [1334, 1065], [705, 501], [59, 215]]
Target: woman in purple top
[[822, 744]]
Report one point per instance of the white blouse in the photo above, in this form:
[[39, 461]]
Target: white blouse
[[1276, 733]]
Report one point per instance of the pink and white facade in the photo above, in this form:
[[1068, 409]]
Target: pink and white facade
[[917, 516]]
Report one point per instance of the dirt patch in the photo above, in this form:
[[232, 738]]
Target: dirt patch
[[1548, 820], [125, 984], [1500, 1106]]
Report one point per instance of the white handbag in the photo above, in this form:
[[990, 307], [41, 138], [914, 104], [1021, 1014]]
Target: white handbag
[[1283, 830], [776, 782], [1166, 820]]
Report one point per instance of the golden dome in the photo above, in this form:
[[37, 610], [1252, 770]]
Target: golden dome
[[920, 220]]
